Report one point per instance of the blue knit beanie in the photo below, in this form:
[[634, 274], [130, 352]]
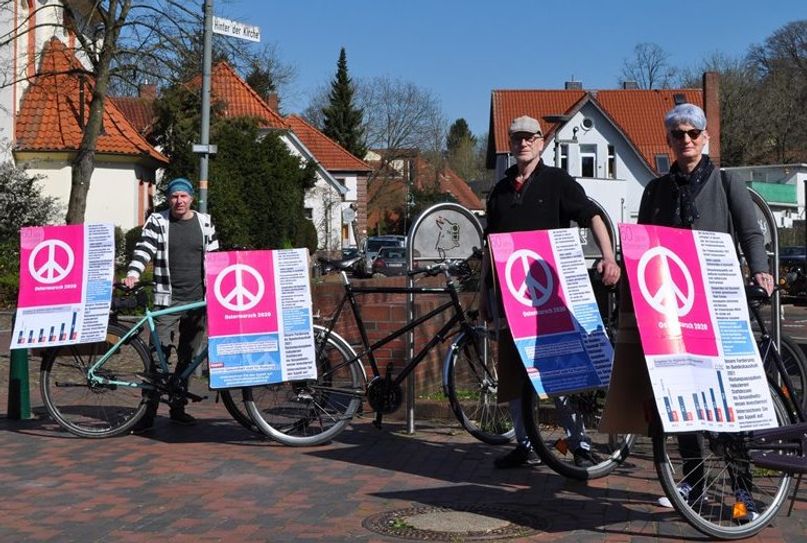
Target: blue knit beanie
[[179, 184]]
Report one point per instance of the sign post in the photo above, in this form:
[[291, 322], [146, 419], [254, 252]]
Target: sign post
[[227, 28]]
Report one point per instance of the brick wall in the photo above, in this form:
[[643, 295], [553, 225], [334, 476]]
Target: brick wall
[[385, 313]]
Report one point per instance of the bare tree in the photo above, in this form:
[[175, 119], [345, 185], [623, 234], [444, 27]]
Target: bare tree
[[106, 32], [401, 120], [741, 126], [649, 67], [780, 64], [120, 42]]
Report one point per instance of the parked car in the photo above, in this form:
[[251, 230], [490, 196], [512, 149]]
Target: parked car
[[390, 261], [370, 248], [351, 258], [795, 255], [793, 269]]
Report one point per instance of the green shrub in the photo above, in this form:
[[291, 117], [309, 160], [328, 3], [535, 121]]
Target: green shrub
[[306, 236], [9, 272], [130, 241]]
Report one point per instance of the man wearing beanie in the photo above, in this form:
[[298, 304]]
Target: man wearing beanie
[[176, 240]]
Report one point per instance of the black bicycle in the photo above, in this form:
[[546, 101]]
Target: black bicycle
[[732, 485], [311, 412]]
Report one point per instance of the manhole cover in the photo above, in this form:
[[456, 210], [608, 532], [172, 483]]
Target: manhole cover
[[456, 523]]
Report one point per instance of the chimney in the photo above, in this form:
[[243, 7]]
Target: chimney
[[147, 90], [711, 107], [272, 102], [574, 85], [630, 85]]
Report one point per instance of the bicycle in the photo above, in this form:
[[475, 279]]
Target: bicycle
[[732, 474], [311, 412], [549, 436], [98, 390]]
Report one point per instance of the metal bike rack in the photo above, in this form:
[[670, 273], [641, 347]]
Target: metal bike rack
[[445, 230], [592, 252], [767, 224]]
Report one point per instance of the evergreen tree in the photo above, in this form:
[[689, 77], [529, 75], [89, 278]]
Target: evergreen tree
[[257, 188], [462, 155], [458, 134], [261, 81], [343, 119]]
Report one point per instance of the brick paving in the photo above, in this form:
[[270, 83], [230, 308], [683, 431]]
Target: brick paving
[[218, 482]]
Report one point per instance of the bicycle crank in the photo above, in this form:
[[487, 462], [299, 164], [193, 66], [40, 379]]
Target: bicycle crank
[[383, 396]]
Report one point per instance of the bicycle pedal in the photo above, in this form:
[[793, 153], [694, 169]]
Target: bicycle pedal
[[194, 398]]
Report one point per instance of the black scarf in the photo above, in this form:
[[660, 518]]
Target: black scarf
[[686, 188]]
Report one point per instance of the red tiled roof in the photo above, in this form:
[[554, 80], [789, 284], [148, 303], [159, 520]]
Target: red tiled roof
[[330, 154], [50, 113], [139, 111], [450, 183], [639, 114], [394, 191], [238, 98]]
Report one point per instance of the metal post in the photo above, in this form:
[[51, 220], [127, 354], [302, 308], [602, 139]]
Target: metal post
[[19, 399], [207, 62]]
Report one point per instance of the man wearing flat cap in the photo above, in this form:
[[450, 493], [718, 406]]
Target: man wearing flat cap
[[534, 196], [176, 240]]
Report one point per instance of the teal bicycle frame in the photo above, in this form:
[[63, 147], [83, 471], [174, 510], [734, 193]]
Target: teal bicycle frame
[[147, 321]]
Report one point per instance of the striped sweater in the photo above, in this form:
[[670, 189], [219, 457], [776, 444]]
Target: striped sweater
[[153, 244]]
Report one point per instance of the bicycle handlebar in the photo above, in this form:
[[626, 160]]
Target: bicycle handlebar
[[132, 298], [458, 267]]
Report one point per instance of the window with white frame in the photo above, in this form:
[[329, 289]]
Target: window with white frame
[[611, 164], [588, 160], [564, 157]]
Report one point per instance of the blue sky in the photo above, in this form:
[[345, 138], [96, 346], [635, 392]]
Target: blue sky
[[461, 50]]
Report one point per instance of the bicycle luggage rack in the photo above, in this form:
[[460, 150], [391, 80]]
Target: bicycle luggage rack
[[772, 459]]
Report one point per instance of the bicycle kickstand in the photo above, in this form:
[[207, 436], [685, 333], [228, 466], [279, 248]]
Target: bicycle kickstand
[[795, 492]]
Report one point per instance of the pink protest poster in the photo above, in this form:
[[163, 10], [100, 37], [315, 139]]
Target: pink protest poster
[[689, 298], [65, 285], [551, 310], [259, 318]]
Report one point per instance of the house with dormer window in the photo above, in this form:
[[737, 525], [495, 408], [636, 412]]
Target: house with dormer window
[[612, 141], [44, 105]]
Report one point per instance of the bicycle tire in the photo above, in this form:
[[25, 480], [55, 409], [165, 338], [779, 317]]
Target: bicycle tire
[[471, 386], [238, 410], [95, 410], [549, 438], [311, 412], [710, 510], [796, 365]]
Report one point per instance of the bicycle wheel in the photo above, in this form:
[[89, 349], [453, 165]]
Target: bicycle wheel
[[311, 412], [90, 409], [237, 409], [548, 434], [796, 366], [699, 485], [471, 386]]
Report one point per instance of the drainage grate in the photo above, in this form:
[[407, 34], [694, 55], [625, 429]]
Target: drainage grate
[[456, 523]]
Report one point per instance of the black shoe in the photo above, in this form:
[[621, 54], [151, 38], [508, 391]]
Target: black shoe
[[520, 456], [584, 458], [180, 417], [143, 425]]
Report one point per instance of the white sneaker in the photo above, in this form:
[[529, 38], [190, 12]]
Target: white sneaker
[[683, 489]]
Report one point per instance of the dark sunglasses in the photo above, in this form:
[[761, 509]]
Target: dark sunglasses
[[693, 134]]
